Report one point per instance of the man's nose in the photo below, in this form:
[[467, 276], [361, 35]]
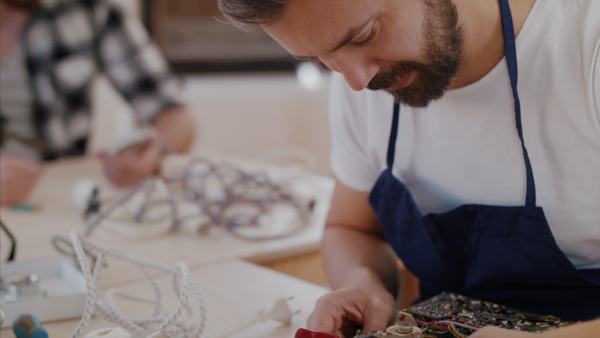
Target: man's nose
[[357, 71]]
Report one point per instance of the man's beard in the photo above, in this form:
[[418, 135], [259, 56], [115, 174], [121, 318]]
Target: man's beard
[[443, 56]]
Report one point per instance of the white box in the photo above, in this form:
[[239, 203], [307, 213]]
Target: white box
[[63, 283]]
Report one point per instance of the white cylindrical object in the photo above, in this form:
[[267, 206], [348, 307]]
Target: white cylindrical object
[[81, 191]]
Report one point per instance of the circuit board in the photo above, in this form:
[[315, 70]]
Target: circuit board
[[435, 313]]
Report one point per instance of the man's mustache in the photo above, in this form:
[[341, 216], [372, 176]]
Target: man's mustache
[[388, 78]]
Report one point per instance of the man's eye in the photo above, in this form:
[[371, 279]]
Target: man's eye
[[306, 58], [366, 40]]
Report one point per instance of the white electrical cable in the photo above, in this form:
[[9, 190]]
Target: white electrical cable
[[109, 309], [145, 211], [210, 194]]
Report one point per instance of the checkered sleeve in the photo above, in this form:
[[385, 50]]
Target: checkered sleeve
[[134, 64]]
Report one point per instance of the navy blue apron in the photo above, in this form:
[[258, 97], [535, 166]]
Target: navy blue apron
[[506, 255]]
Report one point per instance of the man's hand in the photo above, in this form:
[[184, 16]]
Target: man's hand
[[130, 167], [342, 312], [17, 179]]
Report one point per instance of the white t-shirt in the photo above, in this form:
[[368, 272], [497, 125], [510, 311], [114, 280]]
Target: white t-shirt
[[464, 148]]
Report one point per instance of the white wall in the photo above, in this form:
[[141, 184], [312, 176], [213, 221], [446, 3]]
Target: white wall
[[238, 115]]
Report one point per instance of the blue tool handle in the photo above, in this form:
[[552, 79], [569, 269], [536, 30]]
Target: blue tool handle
[[27, 326]]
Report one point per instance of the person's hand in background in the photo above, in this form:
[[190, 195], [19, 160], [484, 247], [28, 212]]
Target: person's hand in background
[[173, 132], [130, 166], [18, 177]]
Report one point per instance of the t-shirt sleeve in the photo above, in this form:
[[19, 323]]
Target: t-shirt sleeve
[[349, 124], [134, 64]]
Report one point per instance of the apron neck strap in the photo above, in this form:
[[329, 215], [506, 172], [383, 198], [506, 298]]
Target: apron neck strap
[[391, 150], [510, 50]]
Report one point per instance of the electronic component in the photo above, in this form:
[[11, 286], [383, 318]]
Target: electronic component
[[406, 326], [21, 287], [453, 315]]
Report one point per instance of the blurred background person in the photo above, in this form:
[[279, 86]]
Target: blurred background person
[[50, 54]]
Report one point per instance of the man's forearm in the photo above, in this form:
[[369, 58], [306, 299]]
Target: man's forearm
[[176, 127], [352, 257]]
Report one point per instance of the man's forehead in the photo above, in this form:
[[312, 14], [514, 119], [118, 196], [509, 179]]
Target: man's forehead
[[311, 27]]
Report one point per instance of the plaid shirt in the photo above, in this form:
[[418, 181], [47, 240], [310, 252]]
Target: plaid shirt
[[67, 44]]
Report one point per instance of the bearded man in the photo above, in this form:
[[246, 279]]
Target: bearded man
[[465, 141]]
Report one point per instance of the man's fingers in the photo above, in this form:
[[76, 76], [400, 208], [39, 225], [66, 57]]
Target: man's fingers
[[322, 324], [378, 314], [344, 311], [322, 319]]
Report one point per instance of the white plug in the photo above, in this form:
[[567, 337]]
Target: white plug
[[81, 191], [280, 311]]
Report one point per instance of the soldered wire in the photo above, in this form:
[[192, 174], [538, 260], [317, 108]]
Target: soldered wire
[[449, 325], [454, 331]]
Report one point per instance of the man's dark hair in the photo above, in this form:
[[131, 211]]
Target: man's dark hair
[[250, 14]]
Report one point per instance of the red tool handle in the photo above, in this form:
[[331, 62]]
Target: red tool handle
[[304, 333]]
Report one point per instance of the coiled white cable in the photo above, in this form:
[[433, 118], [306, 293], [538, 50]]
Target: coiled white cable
[[109, 310], [206, 194]]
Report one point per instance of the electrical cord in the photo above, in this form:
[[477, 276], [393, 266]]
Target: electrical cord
[[218, 195], [144, 203], [108, 309], [240, 201], [13, 242], [167, 322]]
